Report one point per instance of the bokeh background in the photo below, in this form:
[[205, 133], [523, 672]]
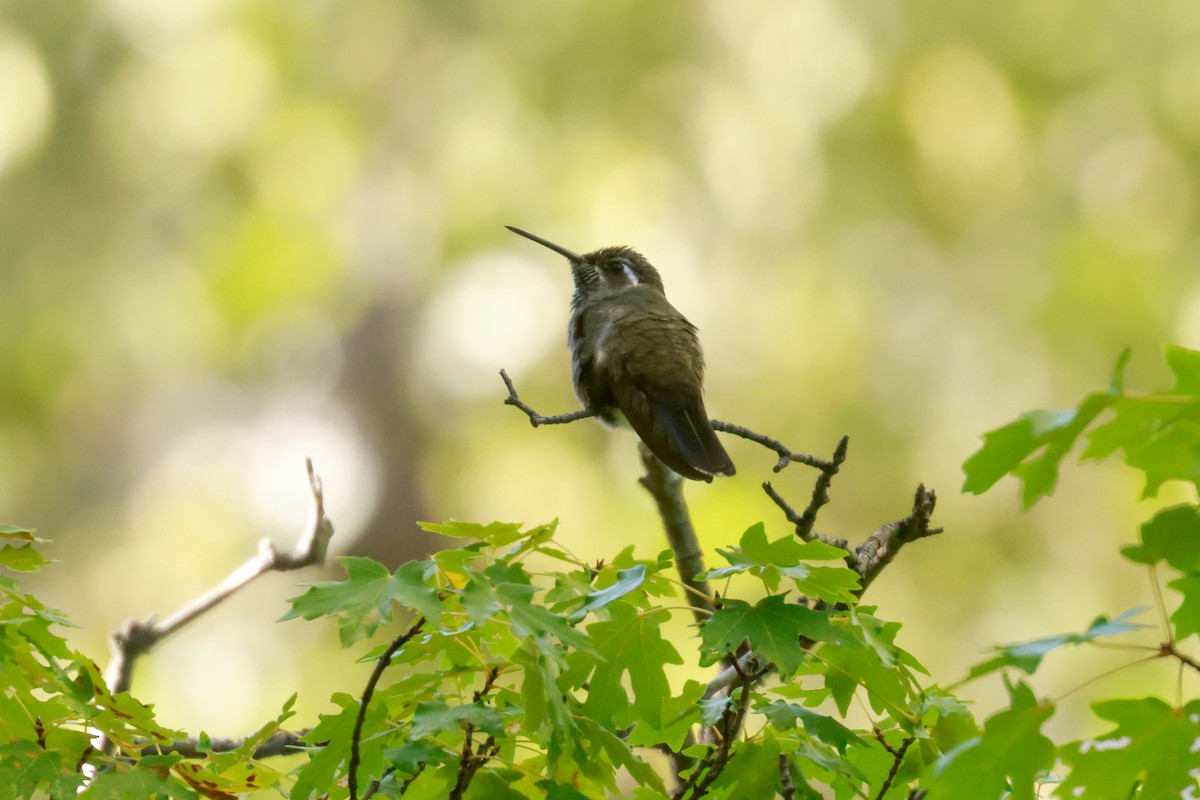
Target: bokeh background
[[235, 234]]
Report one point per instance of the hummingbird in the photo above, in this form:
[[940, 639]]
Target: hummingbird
[[634, 356]]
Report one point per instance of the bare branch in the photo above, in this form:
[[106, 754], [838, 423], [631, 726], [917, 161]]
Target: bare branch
[[714, 763], [134, 638], [747, 663], [786, 455], [536, 419], [280, 743], [470, 762], [878, 550], [786, 788], [666, 487], [897, 758], [385, 659], [805, 521]]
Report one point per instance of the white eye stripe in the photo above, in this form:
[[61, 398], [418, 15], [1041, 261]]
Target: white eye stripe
[[629, 273]]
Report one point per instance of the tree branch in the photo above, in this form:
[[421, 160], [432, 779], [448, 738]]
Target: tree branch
[[385, 659], [897, 758], [135, 638], [786, 455], [805, 521], [470, 762], [536, 419], [878, 550], [787, 789], [666, 487], [714, 762], [280, 743]]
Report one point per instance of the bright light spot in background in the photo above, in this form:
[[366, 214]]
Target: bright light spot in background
[[25, 102], [1188, 325], [1181, 92], [1139, 184], [305, 160], [257, 469], [203, 96], [211, 677], [803, 66], [154, 25], [960, 112], [496, 311], [807, 60]]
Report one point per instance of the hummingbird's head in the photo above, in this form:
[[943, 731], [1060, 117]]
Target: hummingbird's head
[[617, 268], [605, 271]]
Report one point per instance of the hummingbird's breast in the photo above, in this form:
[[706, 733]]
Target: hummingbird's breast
[[635, 337]]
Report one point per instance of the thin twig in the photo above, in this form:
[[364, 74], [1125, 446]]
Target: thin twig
[[897, 758], [135, 638], [1168, 650], [536, 419], [805, 521], [717, 759], [385, 659], [280, 743], [786, 455], [470, 762]]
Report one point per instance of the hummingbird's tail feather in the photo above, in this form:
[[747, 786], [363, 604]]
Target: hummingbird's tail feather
[[693, 436], [677, 431]]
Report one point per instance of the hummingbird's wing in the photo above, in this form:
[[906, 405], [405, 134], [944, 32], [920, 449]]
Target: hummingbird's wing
[[657, 385]]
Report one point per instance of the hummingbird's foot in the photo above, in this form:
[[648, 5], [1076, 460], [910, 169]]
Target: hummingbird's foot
[[536, 419]]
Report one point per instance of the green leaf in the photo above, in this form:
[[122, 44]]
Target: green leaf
[[120, 784], [430, 718], [773, 626], [22, 559], [627, 580], [1173, 535], [365, 600], [1153, 743], [530, 619], [1185, 366], [678, 714], [784, 715], [496, 534], [630, 644], [1008, 757], [752, 770], [1186, 618], [1027, 656], [1158, 435], [769, 560], [17, 533], [849, 667], [548, 714], [1117, 383], [1010, 449], [604, 741]]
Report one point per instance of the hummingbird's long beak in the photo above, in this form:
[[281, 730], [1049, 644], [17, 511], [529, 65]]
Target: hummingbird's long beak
[[562, 251]]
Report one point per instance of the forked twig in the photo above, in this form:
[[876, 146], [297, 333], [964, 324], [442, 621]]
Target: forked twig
[[536, 419], [136, 637]]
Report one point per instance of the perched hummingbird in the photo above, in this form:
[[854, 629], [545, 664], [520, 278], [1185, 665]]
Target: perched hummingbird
[[634, 355]]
